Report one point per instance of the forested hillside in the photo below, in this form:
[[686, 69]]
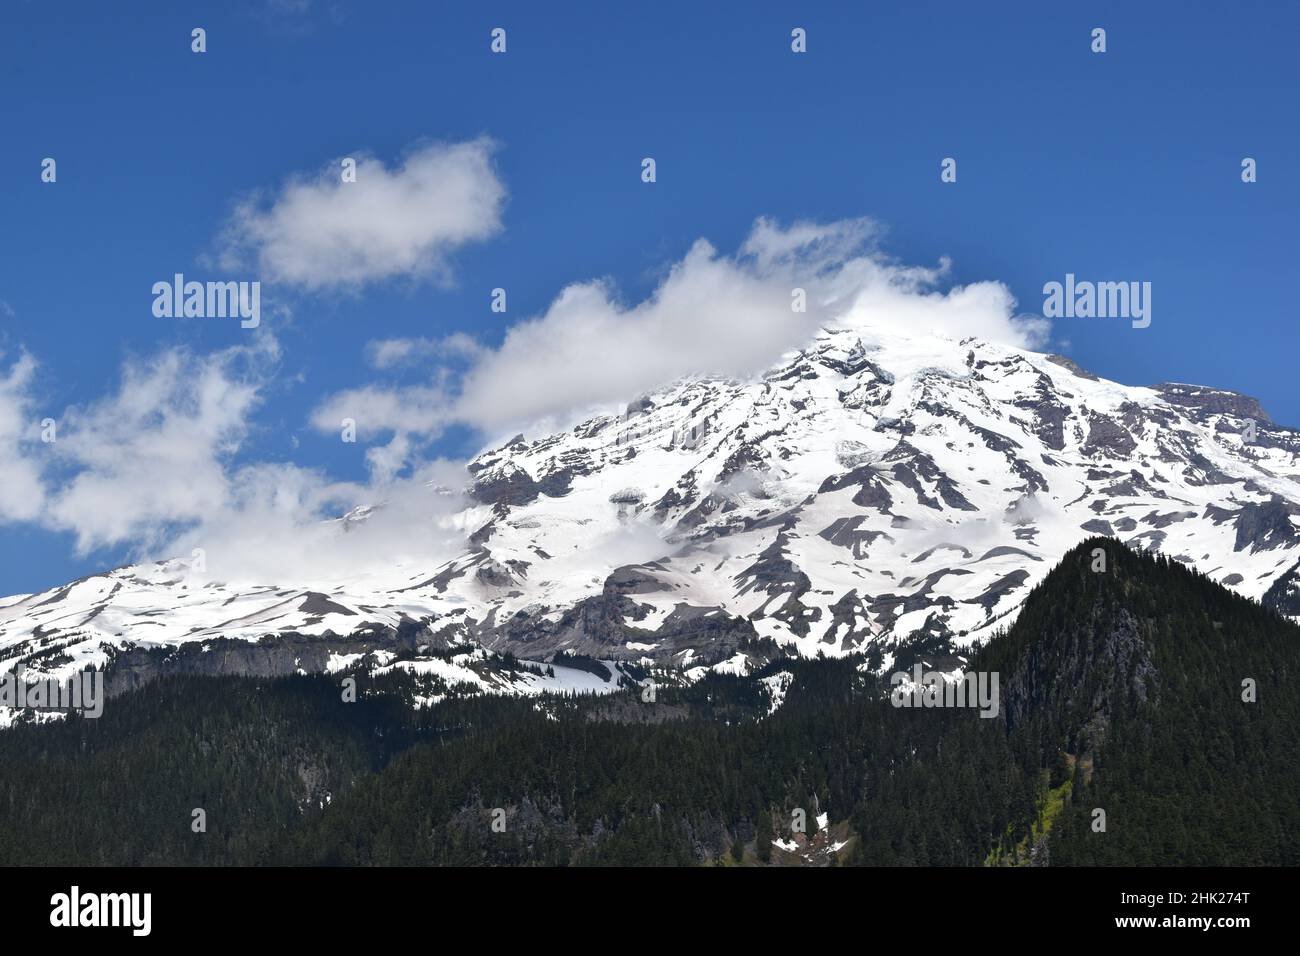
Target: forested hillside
[[1121, 690]]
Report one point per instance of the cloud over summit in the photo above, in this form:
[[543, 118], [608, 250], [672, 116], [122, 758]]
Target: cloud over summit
[[712, 313]]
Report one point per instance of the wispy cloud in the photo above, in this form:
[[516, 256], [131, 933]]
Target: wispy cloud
[[391, 353]]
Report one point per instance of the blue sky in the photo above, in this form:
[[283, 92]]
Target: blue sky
[[1122, 165]]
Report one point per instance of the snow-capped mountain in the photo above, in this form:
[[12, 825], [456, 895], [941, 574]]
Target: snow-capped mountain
[[869, 489]]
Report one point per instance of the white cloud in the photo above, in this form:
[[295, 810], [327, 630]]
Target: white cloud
[[416, 409], [22, 491], [711, 313], [153, 455], [390, 353], [320, 232], [275, 528]]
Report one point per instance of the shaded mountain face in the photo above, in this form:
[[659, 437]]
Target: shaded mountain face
[[1161, 699], [1122, 691], [868, 492]]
